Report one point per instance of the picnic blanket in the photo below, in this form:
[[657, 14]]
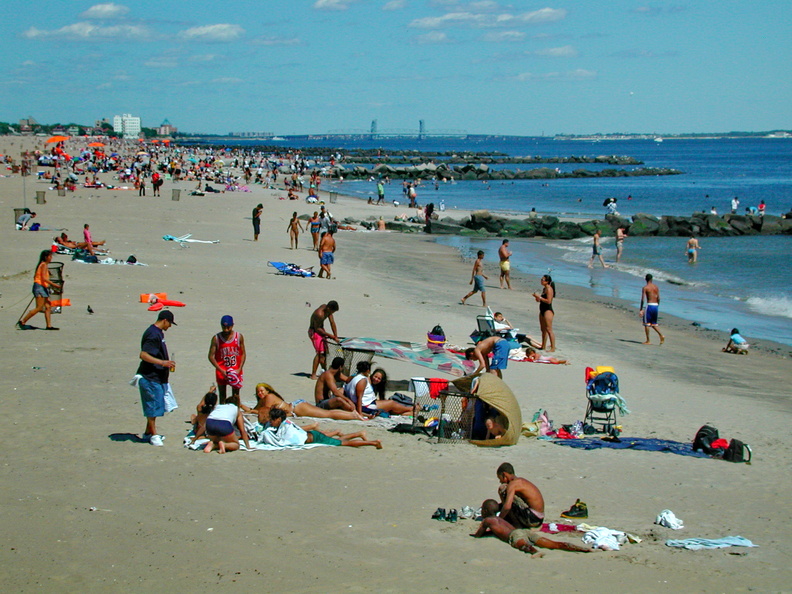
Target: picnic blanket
[[633, 443]]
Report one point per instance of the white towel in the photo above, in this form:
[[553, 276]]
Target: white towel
[[669, 520]]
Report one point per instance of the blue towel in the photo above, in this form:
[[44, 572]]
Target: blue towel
[[633, 443], [696, 544]]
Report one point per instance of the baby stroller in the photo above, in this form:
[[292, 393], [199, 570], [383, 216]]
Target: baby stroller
[[603, 399]]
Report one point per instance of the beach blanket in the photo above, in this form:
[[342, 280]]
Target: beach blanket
[[633, 443], [696, 544]]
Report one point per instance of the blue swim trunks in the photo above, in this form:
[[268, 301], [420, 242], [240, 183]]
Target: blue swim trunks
[[650, 314], [500, 353], [478, 283], [326, 258]]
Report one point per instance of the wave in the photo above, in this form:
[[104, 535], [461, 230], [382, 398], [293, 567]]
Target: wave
[[771, 306]]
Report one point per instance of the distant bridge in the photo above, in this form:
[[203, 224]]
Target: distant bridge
[[398, 133]]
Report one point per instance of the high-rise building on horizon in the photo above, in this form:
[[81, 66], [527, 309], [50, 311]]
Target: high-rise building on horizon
[[127, 125]]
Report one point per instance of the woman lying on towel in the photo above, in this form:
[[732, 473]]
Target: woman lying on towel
[[267, 398], [367, 391], [533, 356], [312, 434]]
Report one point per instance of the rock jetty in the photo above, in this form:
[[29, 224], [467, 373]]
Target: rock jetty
[[482, 223]]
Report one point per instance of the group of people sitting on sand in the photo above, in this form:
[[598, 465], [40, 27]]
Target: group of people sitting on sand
[[337, 397]]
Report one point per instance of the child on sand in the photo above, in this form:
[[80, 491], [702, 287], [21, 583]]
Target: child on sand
[[737, 344], [533, 356]]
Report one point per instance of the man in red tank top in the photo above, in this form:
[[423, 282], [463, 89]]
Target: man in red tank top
[[227, 356]]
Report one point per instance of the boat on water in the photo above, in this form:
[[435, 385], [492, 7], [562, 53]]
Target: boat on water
[[658, 139]]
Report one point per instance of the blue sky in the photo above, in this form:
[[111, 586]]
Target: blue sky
[[487, 67]]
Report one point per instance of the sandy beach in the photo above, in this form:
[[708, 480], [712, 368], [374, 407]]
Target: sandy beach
[[88, 507]]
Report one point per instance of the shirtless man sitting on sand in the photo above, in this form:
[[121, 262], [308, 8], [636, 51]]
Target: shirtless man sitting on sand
[[522, 504], [327, 394], [525, 540]]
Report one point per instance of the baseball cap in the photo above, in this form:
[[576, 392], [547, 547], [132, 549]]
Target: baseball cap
[[226, 321], [166, 314]]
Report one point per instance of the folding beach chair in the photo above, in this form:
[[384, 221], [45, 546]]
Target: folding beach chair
[[603, 400]]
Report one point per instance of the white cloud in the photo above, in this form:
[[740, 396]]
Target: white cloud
[[498, 37], [572, 75], [566, 51], [395, 5], [277, 41], [107, 10], [332, 4], [86, 32], [431, 37], [161, 62], [219, 32], [481, 19]]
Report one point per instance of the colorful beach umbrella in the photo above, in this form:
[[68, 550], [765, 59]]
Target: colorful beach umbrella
[[437, 358], [95, 144], [57, 139]]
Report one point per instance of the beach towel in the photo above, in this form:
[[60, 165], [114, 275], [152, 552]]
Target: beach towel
[[696, 544], [633, 443], [186, 239]]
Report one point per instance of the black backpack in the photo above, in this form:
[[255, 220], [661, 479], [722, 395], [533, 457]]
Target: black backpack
[[703, 440], [736, 452]]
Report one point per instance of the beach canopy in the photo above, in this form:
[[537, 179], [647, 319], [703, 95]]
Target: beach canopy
[[96, 144], [57, 139], [494, 391], [438, 359]]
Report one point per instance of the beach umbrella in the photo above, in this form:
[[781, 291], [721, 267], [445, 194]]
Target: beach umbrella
[[494, 391], [219, 162], [438, 359], [142, 153], [95, 144], [57, 139]]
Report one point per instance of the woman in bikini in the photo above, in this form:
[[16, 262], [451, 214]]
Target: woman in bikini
[[267, 397], [294, 229], [314, 228], [367, 391], [546, 313]]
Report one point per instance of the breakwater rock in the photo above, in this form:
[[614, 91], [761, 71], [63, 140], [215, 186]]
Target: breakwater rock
[[482, 171], [482, 223]]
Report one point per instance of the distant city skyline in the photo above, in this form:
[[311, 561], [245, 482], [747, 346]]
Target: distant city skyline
[[486, 67]]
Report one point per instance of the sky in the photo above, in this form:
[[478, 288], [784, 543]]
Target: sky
[[482, 67]]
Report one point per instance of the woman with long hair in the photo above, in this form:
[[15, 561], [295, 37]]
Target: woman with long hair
[[267, 398], [367, 391], [41, 286], [546, 312]]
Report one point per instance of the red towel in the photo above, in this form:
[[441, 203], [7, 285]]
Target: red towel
[[436, 386]]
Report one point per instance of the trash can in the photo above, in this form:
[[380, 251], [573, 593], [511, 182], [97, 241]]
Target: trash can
[[40, 199], [61, 191], [175, 195], [18, 212], [333, 197]]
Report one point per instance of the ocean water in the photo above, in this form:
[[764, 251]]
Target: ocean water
[[742, 282]]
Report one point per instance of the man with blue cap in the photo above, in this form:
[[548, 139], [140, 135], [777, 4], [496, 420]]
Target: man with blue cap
[[227, 356]]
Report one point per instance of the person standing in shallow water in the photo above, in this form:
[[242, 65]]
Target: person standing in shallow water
[[546, 313], [596, 251]]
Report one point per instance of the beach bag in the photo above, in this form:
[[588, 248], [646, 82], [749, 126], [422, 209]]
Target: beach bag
[[436, 336], [131, 260], [736, 452], [704, 438], [402, 399], [35, 226]]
